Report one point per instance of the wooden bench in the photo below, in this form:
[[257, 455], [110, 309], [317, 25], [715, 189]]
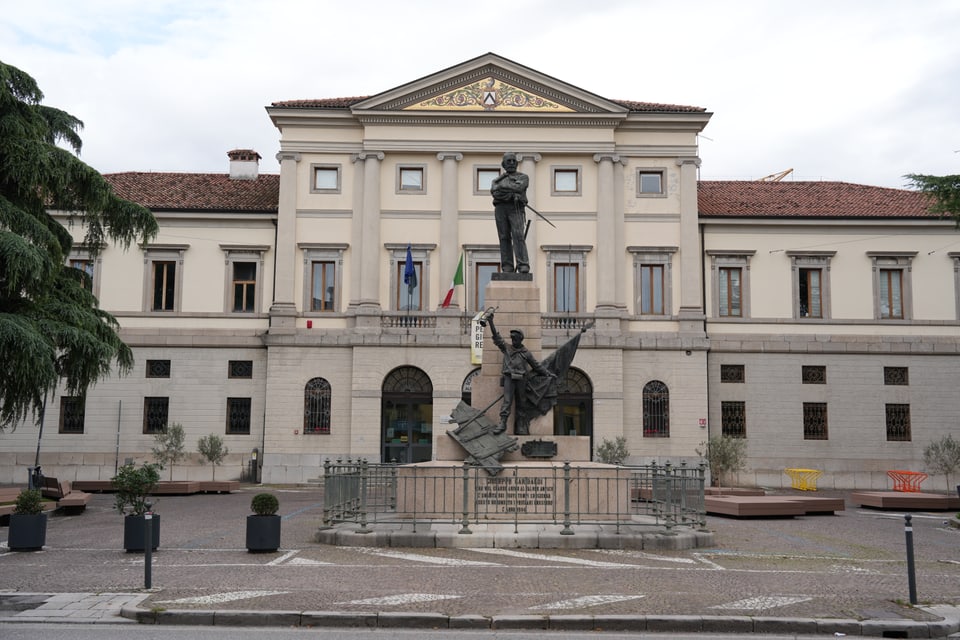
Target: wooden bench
[[907, 481], [771, 506], [67, 498], [906, 500]]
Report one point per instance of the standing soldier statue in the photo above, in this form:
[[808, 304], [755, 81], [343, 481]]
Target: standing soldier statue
[[509, 191]]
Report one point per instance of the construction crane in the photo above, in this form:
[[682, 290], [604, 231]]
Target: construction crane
[[776, 177]]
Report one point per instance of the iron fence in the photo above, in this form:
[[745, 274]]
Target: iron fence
[[558, 494]]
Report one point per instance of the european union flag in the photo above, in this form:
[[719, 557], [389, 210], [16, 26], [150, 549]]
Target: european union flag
[[409, 273]]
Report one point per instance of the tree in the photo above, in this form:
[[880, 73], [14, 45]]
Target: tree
[[724, 454], [212, 450], [168, 446], [944, 192], [51, 328], [942, 456], [612, 451]]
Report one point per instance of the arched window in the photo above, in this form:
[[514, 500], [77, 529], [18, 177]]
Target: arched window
[[656, 410], [466, 389], [407, 416], [316, 406]]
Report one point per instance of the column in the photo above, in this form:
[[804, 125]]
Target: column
[[283, 311], [449, 222], [370, 255], [691, 294], [609, 254]]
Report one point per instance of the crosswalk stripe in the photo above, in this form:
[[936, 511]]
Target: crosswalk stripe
[[540, 556], [416, 557], [403, 598], [762, 602], [585, 601], [218, 598]]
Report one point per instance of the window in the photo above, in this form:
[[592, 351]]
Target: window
[[244, 286], [811, 283], [566, 275], [323, 274], [326, 179], [240, 369], [158, 368], [891, 285], [155, 412], [483, 178], [71, 414], [815, 421], [244, 266], [898, 422], [813, 374], [656, 410], [566, 181], [481, 262], [411, 179], [163, 277], [653, 273], [86, 266], [732, 373], [733, 421], [896, 376], [316, 407], [650, 182], [731, 283], [405, 297], [322, 277], [80, 259], [238, 416]]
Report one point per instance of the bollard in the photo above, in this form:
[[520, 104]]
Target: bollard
[[148, 547], [911, 570]]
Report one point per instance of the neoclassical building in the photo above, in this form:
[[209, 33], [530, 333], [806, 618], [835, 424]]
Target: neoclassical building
[[818, 320]]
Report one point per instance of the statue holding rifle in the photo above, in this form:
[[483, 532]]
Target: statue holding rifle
[[509, 191]]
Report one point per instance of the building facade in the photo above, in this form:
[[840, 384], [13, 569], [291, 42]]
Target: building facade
[[820, 321]]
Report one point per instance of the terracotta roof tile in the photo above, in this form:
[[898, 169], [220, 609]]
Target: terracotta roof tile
[[197, 191], [727, 199], [345, 103]]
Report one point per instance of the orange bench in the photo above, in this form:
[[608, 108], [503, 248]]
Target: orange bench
[[907, 481]]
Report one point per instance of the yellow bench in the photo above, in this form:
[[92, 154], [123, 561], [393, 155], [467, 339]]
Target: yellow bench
[[803, 479]]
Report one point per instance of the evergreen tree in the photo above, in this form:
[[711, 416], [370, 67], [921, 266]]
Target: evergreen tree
[[944, 192], [51, 328]]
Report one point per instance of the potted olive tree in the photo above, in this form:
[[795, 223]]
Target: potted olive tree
[[263, 526], [28, 522], [133, 485]]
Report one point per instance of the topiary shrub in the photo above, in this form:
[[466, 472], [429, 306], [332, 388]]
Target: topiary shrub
[[264, 504], [28, 503]]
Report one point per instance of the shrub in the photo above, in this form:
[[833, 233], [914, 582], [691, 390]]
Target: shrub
[[612, 451], [264, 504], [29, 503], [133, 485]]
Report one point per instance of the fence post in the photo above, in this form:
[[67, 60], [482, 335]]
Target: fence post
[[465, 523], [363, 496], [566, 531]]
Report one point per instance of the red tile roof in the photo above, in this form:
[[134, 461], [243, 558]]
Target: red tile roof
[[345, 103], [197, 191], [728, 199]]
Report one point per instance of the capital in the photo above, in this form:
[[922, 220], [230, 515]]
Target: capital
[[450, 155]]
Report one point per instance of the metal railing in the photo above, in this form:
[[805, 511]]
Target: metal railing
[[465, 495]]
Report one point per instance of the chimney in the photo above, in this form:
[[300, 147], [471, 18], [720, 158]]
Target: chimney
[[244, 164]]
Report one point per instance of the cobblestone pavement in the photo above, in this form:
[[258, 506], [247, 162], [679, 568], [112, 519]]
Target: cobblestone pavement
[[851, 565]]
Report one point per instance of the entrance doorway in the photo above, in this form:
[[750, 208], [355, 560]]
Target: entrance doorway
[[573, 415], [407, 416]]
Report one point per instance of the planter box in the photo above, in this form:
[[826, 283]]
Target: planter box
[[263, 533], [134, 529], [27, 532]]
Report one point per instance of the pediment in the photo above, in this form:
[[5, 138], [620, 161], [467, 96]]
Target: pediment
[[492, 84]]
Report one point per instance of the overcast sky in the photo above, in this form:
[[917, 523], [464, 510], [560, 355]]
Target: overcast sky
[[860, 91]]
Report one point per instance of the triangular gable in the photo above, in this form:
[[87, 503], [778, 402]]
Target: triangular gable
[[490, 83]]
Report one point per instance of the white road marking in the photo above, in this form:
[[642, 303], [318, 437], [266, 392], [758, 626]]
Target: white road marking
[[541, 556], [585, 601], [645, 556], [761, 603], [306, 561], [709, 563], [281, 559], [403, 598], [416, 557], [218, 598]]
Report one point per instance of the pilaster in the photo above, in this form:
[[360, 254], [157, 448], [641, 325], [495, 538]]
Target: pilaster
[[449, 228], [691, 312], [283, 311]]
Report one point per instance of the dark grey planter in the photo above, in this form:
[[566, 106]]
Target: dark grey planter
[[263, 533], [27, 532], [134, 530]]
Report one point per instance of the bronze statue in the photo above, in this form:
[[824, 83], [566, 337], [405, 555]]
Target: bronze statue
[[509, 191], [517, 361]]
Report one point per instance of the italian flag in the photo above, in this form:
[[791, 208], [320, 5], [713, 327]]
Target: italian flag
[[457, 279]]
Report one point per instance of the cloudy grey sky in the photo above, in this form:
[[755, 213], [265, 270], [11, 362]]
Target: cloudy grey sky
[[860, 91]]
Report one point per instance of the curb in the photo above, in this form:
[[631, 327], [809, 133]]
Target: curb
[[619, 623]]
